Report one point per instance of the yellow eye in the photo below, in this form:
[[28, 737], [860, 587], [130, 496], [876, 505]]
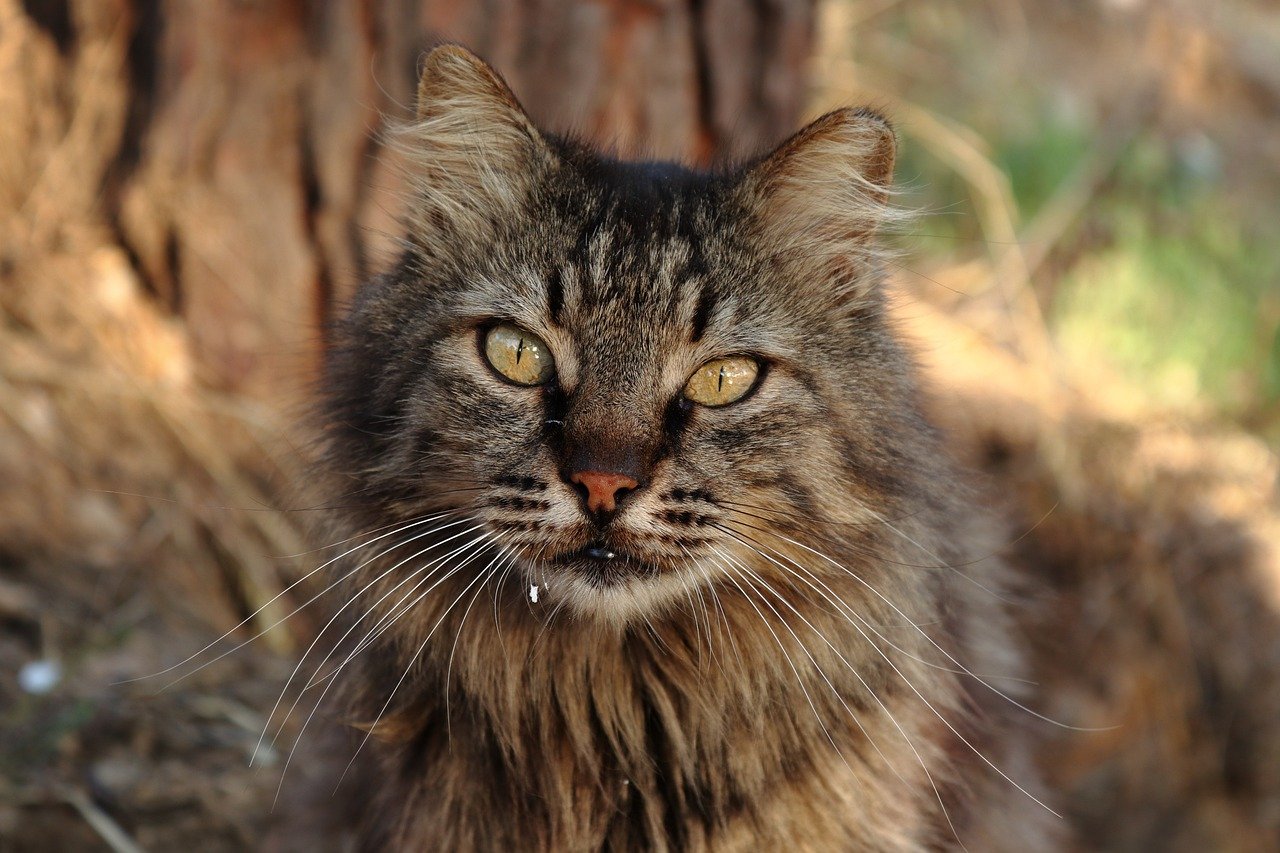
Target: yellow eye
[[518, 355], [722, 381]]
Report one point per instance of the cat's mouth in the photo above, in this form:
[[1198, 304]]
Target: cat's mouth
[[603, 563]]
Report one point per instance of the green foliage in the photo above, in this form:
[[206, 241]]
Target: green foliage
[[1171, 274], [1182, 296], [1040, 162], [1163, 280], [37, 728]]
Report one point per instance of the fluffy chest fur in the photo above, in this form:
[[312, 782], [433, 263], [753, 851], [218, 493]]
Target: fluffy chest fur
[[671, 559]]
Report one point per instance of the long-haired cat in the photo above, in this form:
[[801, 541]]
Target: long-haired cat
[[664, 554]]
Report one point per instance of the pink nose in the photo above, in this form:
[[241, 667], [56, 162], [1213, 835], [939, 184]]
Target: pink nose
[[603, 488]]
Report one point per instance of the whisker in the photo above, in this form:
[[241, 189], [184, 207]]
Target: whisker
[[715, 598], [383, 621], [840, 603], [333, 680], [293, 612], [371, 609], [934, 555], [693, 614], [942, 564], [653, 632], [804, 519], [706, 621], [799, 680], [962, 668], [880, 557], [412, 660], [367, 532], [924, 767], [782, 599], [448, 672], [939, 715]]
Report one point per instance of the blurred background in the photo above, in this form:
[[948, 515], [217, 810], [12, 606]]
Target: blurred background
[[190, 191]]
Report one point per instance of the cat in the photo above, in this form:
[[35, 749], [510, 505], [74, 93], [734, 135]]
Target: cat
[[665, 554]]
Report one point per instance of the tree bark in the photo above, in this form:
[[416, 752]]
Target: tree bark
[[230, 150]]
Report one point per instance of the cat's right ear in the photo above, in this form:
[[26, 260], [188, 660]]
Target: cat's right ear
[[473, 153], [819, 198]]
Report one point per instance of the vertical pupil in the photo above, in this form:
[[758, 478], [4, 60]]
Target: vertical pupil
[[720, 379], [519, 349]]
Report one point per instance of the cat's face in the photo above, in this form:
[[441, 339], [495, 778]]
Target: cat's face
[[621, 371]]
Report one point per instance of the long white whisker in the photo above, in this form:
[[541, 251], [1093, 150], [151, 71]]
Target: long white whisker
[[910, 745], [729, 573], [840, 603], [393, 613], [492, 569], [937, 713], [370, 609], [697, 628], [715, 598], [371, 531], [706, 621], [412, 660], [940, 564], [928, 552], [333, 680], [964, 669], [276, 597]]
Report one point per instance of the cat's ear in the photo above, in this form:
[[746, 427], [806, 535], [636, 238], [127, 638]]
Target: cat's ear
[[820, 195], [473, 152]]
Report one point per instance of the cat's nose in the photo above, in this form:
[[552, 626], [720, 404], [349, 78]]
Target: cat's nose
[[603, 489]]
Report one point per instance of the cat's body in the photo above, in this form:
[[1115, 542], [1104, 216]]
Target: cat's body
[[633, 620]]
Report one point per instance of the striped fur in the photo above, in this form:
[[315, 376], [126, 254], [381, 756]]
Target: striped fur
[[779, 662]]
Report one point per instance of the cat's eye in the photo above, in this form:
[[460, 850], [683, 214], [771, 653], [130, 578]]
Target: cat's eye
[[722, 381], [520, 356]]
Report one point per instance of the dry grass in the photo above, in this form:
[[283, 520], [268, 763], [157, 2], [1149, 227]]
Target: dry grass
[[1156, 545]]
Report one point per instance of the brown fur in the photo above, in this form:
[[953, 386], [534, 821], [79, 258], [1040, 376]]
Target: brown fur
[[812, 644]]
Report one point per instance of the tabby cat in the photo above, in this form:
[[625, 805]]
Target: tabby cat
[[666, 556]]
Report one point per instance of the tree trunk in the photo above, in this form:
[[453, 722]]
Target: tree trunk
[[230, 150]]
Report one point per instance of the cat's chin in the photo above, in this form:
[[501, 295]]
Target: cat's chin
[[629, 602], [609, 586]]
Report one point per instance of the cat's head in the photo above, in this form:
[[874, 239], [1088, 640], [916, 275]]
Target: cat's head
[[624, 373]]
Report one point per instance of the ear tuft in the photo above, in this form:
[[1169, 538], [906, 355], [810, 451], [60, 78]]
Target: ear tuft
[[473, 153], [454, 77], [821, 195], [853, 146], [873, 134]]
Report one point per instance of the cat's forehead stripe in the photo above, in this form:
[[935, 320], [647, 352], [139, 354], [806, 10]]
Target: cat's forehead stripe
[[644, 244], [555, 295], [702, 312]]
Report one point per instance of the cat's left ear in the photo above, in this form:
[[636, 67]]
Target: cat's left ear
[[820, 196], [473, 152]]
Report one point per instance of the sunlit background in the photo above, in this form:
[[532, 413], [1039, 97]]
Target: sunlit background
[[1117, 158]]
